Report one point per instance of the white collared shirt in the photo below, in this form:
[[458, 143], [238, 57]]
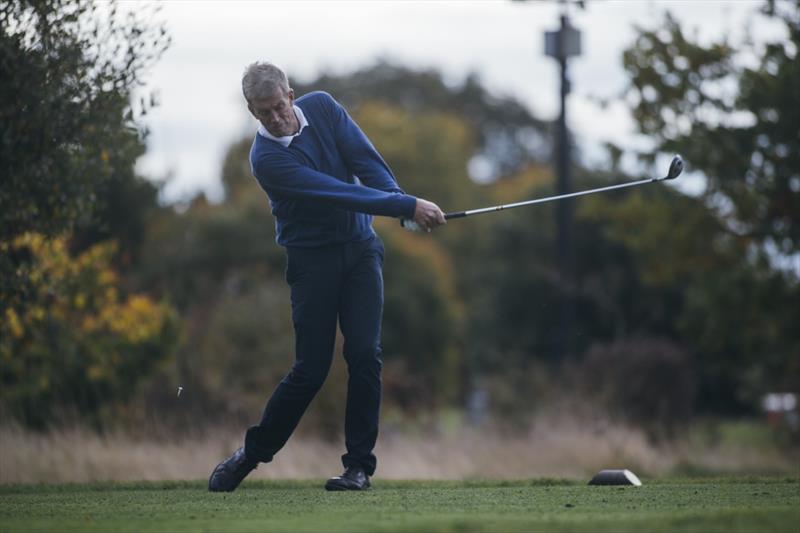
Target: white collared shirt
[[287, 140]]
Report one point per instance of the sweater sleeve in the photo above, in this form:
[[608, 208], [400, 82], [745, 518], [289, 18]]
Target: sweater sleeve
[[284, 175], [361, 157]]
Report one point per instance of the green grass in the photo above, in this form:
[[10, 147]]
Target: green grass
[[723, 504]]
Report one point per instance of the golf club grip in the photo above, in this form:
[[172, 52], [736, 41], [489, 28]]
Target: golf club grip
[[457, 214]]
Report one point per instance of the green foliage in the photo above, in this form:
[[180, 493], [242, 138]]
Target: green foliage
[[733, 120], [428, 152], [649, 382], [423, 369], [68, 68], [731, 110], [476, 301], [189, 252], [122, 212], [697, 286], [220, 265], [744, 329], [69, 135], [515, 287], [649, 263], [507, 135], [241, 344], [79, 344], [69, 199]]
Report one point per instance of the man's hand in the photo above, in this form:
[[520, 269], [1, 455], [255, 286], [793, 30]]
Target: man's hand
[[427, 215]]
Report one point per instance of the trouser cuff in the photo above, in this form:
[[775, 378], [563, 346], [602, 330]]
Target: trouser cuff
[[255, 447]]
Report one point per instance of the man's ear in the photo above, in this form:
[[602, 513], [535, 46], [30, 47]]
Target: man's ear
[[290, 94], [250, 108]]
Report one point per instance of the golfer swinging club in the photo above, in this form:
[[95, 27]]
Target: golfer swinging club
[[324, 180]]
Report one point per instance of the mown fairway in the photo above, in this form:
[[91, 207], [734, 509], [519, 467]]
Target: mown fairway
[[728, 504]]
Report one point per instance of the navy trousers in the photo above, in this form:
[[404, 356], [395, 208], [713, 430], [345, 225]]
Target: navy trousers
[[343, 282]]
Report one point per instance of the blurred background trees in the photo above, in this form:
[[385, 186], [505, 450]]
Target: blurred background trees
[[78, 346], [68, 128], [74, 337], [731, 110], [684, 303]]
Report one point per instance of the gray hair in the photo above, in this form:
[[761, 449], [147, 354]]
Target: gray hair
[[262, 80]]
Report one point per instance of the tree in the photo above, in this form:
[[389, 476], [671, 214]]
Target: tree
[[67, 71], [652, 265], [69, 136], [71, 334], [732, 111], [508, 137], [695, 285], [734, 120], [81, 343]]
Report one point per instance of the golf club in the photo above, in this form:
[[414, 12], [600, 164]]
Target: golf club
[[675, 169]]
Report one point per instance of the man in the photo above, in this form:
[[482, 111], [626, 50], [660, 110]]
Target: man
[[324, 180]]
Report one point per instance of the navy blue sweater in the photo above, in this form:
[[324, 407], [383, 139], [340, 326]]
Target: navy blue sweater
[[312, 186]]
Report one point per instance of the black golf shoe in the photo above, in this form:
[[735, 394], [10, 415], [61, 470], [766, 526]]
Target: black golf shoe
[[230, 472], [354, 478]]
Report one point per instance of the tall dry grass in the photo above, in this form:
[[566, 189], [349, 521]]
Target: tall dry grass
[[552, 447]]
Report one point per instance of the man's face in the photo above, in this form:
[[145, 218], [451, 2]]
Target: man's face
[[276, 113]]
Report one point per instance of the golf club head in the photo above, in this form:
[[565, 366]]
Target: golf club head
[[675, 168]]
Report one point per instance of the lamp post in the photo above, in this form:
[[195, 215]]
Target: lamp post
[[561, 45]]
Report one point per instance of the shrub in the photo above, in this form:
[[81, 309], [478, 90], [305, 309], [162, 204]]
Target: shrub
[[648, 382], [76, 342]]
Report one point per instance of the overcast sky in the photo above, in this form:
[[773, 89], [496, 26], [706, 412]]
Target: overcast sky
[[198, 79]]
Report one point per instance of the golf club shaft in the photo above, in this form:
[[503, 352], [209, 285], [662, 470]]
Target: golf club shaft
[[460, 214]]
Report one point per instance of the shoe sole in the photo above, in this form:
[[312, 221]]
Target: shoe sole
[[335, 487]]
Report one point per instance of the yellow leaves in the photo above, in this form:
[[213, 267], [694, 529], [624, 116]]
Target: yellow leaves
[[110, 294], [141, 305], [106, 277], [428, 257], [429, 152], [80, 296], [136, 319], [14, 324], [51, 262], [34, 241], [90, 323], [139, 319], [79, 301], [74, 333], [379, 119], [97, 257], [521, 186], [424, 249]]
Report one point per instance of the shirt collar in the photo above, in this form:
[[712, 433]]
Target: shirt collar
[[287, 140]]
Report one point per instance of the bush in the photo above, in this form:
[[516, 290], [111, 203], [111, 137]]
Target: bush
[[647, 382], [421, 322], [76, 342]]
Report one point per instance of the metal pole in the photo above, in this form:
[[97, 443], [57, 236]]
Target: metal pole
[[564, 209]]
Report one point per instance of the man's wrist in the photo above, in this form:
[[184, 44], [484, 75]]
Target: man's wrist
[[409, 206]]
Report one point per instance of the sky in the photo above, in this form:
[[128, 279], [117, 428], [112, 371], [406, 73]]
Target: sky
[[197, 81]]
